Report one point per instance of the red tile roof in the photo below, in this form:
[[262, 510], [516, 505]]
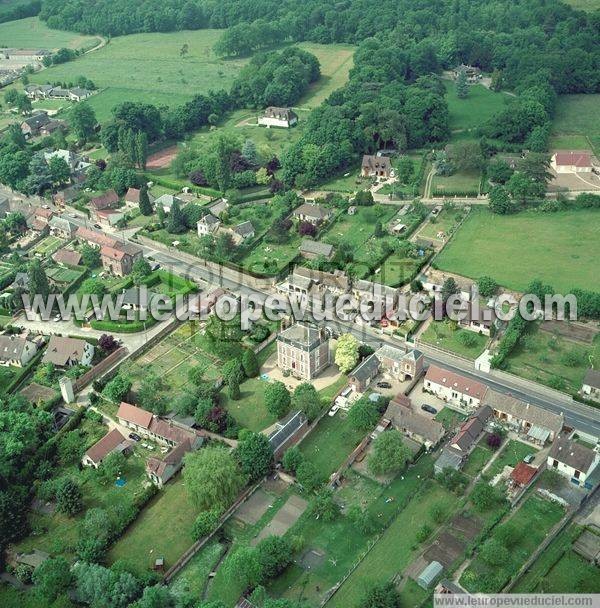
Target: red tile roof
[[41, 212], [133, 195], [574, 158], [92, 236], [523, 473], [459, 383], [104, 201], [135, 415], [67, 256], [111, 441], [112, 253]]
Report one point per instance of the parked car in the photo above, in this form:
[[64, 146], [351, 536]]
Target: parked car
[[98, 226], [384, 384], [429, 409], [135, 437], [529, 458], [333, 410]]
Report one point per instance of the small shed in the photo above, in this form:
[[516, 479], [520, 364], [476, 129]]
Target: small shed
[[159, 564], [431, 573]]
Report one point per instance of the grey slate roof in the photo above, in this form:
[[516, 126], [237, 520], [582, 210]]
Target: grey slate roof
[[244, 229], [301, 336], [316, 248], [11, 347], [572, 454], [285, 428], [366, 369]]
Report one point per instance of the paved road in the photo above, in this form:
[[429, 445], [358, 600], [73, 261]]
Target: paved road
[[576, 414]]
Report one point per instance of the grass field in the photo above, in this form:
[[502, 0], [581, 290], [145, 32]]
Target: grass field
[[552, 360], [444, 335], [194, 577], [560, 249], [47, 246], [479, 106], [162, 529], [328, 445], [336, 62], [584, 5], [478, 458], [149, 68], [31, 32], [535, 515], [445, 222], [396, 270], [577, 122]]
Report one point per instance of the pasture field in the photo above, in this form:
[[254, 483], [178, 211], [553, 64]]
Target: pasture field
[[561, 249], [577, 122], [33, 33], [150, 68], [478, 107]]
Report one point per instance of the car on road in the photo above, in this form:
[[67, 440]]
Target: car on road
[[155, 266], [135, 437], [429, 408], [384, 384], [529, 458], [98, 226]]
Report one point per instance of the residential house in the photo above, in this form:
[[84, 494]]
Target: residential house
[[79, 94], [208, 224], [69, 157], [160, 470], [303, 350], [67, 257], [405, 419], [137, 298], [306, 282], [108, 200], [58, 93], [166, 202], [314, 214], [572, 161], [66, 352], [112, 442], [108, 217], [132, 198], [287, 432], [460, 446], [278, 117], [362, 375], [521, 476], [30, 127], [242, 232], [590, 389], [16, 351], [540, 425], [401, 365], [376, 166], [457, 391], [95, 238], [311, 250], [478, 318], [52, 127], [218, 207], [120, 257], [62, 227], [573, 461], [434, 280], [135, 418], [38, 91], [65, 196], [43, 214]]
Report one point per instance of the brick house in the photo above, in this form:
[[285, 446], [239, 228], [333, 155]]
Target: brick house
[[120, 257], [303, 350]]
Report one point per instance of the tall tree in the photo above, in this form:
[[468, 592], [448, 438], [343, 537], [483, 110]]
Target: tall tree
[[144, 201], [38, 281], [82, 119], [462, 86], [346, 353]]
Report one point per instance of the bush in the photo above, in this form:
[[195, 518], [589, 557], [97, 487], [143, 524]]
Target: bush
[[205, 523]]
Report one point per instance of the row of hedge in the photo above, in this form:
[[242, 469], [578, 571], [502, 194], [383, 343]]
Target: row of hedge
[[516, 328]]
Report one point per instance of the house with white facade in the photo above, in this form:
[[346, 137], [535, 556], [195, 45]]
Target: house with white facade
[[590, 388], [207, 224], [16, 351], [572, 460], [572, 161], [457, 391], [278, 117]]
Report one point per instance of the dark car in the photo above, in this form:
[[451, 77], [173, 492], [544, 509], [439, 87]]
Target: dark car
[[97, 226], [384, 385], [135, 437], [429, 409]]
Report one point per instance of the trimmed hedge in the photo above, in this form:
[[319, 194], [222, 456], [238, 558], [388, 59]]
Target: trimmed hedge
[[124, 327]]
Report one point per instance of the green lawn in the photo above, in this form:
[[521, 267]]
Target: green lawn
[[47, 246], [462, 182], [397, 270], [330, 443], [478, 107], [478, 458], [512, 453], [560, 249], [584, 5], [445, 335], [445, 222], [356, 229], [31, 32], [537, 516], [162, 529], [552, 360], [449, 418], [577, 115], [250, 411]]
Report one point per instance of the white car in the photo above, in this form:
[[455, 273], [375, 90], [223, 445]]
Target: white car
[[333, 410]]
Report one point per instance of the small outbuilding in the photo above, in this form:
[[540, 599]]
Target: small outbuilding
[[430, 575]]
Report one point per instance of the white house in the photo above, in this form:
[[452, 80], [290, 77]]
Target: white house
[[207, 225], [278, 117], [16, 351], [573, 460], [572, 161], [458, 391], [590, 389]]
